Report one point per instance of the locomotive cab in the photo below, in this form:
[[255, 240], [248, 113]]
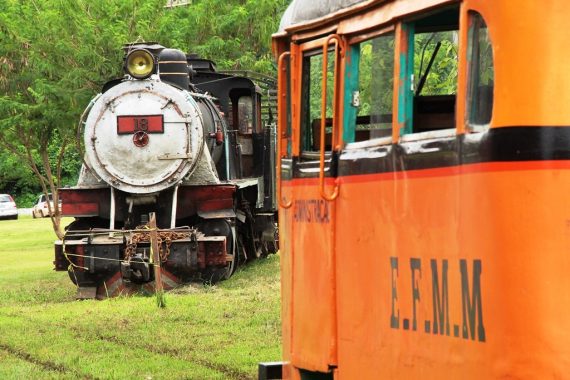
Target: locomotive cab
[[176, 139]]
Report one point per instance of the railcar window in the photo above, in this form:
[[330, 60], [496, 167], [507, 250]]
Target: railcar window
[[432, 65], [481, 72], [435, 75], [311, 100], [376, 88]]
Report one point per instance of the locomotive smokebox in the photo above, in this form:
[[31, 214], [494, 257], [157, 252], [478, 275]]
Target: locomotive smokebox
[[143, 136]]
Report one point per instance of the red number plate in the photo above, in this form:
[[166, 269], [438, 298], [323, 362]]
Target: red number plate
[[145, 123]]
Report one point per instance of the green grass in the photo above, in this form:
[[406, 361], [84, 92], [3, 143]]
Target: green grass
[[205, 332]]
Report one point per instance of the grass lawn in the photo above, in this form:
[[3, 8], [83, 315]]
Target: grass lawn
[[205, 332]]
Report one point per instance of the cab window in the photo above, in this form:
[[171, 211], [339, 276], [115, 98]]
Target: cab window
[[245, 115]]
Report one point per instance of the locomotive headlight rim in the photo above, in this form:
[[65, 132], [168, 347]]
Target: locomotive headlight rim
[[140, 64]]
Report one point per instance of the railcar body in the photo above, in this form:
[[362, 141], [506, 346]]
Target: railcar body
[[179, 140], [424, 169]]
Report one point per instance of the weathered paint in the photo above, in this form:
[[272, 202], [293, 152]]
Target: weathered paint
[[405, 91], [351, 75]]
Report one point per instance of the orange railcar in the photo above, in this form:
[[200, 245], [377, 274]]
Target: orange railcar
[[424, 169]]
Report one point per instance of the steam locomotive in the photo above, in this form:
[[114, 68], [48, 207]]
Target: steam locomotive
[[177, 141]]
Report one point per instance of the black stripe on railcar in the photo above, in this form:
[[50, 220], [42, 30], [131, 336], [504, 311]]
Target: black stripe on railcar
[[506, 144]]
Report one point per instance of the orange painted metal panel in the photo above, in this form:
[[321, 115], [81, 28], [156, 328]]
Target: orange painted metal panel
[[487, 216], [311, 313], [313, 321], [531, 73], [286, 256]]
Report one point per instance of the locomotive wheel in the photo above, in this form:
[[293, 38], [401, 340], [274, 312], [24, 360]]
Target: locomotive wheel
[[215, 275], [220, 227], [261, 250], [250, 245], [229, 270], [273, 245], [257, 245]]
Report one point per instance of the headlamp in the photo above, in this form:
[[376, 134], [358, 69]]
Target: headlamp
[[139, 64]]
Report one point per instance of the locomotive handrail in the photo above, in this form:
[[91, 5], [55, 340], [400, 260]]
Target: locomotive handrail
[[282, 116], [324, 78]]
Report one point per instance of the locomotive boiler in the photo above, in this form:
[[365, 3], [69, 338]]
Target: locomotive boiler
[[179, 142]]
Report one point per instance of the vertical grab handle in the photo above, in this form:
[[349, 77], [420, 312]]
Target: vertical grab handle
[[338, 42], [281, 119]]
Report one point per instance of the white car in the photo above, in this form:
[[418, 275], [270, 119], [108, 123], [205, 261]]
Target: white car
[[40, 209], [8, 209]]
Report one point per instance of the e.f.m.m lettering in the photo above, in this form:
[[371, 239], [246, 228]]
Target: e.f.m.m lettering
[[440, 299], [471, 300], [472, 305]]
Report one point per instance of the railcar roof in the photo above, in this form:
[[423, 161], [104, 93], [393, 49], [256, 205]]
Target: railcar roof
[[300, 11]]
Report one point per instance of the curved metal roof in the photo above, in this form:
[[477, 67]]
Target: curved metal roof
[[305, 10]]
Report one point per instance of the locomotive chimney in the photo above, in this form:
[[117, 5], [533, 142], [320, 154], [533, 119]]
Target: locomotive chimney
[[173, 68]]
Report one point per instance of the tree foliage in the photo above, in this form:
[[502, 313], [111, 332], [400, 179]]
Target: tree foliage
[[442, 77], [376, 76], [56, 54]]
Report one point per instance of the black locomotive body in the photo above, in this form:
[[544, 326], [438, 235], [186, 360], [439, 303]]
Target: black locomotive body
[[179, 142]]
